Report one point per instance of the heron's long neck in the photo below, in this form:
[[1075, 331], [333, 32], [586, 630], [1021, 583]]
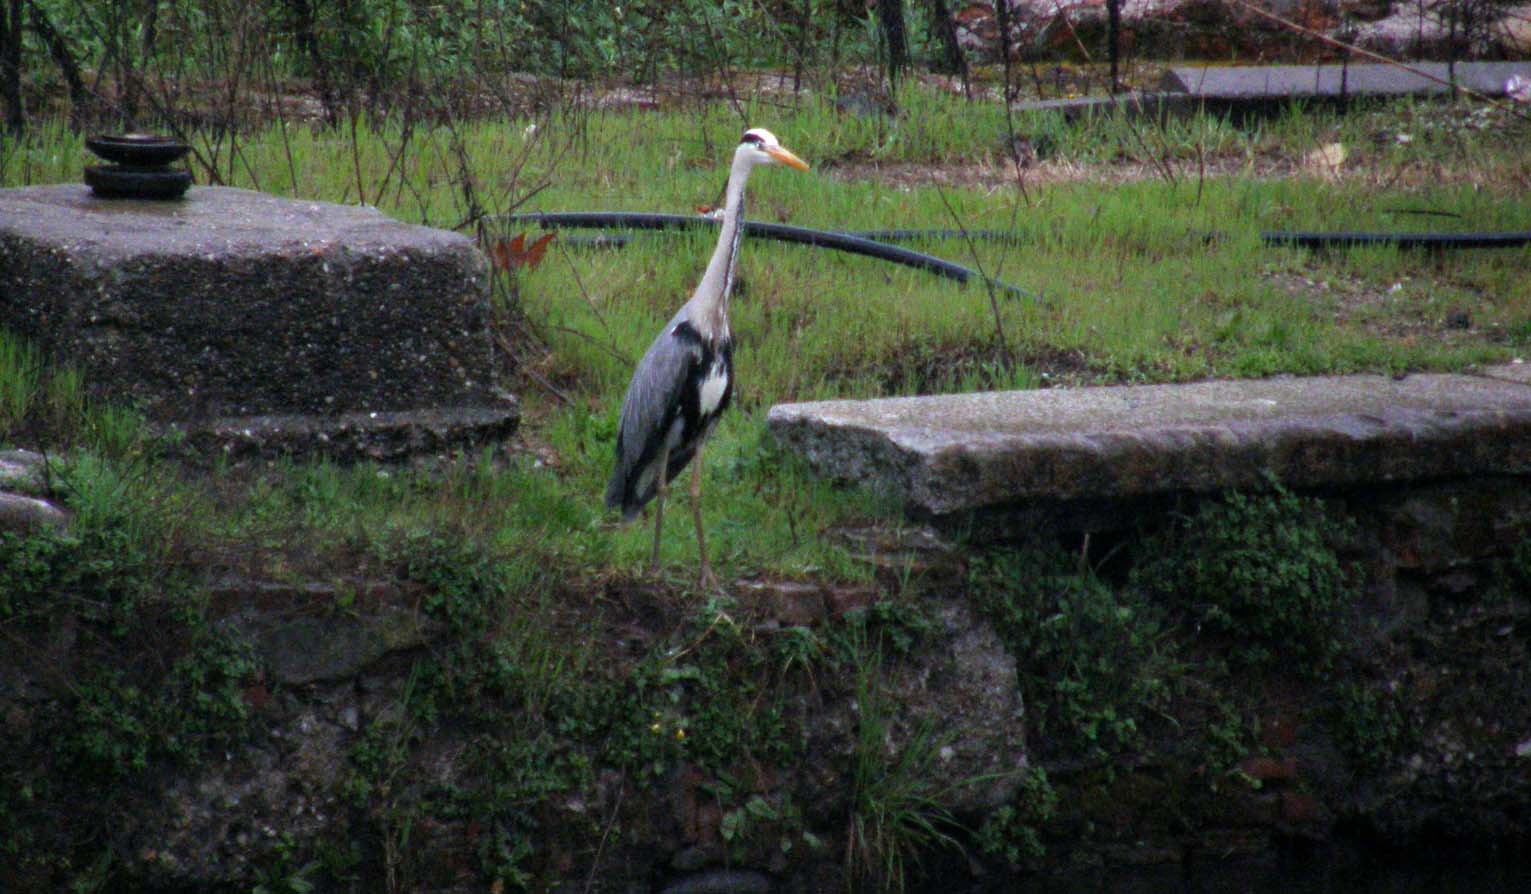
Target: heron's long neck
[[709, 304]]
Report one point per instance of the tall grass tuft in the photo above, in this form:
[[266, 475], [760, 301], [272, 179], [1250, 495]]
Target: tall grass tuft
[[20, 374]]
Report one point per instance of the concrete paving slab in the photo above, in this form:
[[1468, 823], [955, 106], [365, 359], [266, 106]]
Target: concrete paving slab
[[1519, 372], [1265, 82], [949, 454]]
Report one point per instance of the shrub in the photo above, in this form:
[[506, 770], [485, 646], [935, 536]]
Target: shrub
[[1260, 569], [1092, 662]]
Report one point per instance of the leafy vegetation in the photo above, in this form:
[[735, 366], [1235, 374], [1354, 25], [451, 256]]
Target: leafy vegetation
[[1095, 662], [145, 681], [1262, 569], [897, 810]]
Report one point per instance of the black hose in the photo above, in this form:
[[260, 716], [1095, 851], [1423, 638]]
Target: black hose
[[1320, 239], [873, 243], [917, 235], [1344, 239], [779, 232]]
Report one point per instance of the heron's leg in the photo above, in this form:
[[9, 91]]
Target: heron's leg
[[708, 580], [663, 491]]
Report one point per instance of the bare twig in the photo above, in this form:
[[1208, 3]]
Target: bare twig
[[526, 368], [999, 325]]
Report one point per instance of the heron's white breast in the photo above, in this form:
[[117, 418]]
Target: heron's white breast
[[713, 387]]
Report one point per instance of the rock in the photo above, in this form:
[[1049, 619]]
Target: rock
[[231, 303], [1420, 28], [1269, 769], [956, 453], [25, 515], [903, 550], [21, 469], [961, 691], [719, 881], [232, 816], [787, 603], [311, 649]]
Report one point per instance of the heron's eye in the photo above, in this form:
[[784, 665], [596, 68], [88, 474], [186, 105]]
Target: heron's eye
[[752, 138]]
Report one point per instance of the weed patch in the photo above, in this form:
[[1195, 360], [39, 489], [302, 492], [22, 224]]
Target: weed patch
[[1012, 833], [897, 810], [1371, 725], [1094, 662], [148, 682], [1260, 570]]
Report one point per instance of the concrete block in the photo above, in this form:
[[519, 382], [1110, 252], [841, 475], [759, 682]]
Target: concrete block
[[231, 303]]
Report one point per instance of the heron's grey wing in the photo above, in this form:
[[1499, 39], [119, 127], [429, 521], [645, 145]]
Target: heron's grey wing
[[649, 409]]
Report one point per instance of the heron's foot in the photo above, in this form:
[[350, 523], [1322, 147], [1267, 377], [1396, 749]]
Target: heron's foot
[[707, 580]]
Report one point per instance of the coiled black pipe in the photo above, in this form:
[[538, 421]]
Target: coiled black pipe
[[916, 235], [873, 243], [780, 232]]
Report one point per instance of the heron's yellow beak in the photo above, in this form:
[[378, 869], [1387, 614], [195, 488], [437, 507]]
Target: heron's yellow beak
[[787, 158]]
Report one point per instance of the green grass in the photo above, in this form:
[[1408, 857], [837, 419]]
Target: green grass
[[1129, 286], [1130, 289]]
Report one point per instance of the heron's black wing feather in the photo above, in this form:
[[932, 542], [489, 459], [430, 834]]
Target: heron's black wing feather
[[650, 408]]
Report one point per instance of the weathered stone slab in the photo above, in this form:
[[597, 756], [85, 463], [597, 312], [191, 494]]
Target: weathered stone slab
[[232, 303], [19, 513], [21, 469], [24, 515], [348, 437], [1519, 372], [1334, 81], [955, 453]]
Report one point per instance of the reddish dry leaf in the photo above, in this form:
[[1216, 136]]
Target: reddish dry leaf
[[514, 252]]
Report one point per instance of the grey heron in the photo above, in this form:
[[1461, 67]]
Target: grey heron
[[686, 379]]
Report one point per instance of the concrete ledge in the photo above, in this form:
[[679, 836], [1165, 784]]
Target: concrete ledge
[[1260, 82], [962, 453], [349, 437], [1267, 89]]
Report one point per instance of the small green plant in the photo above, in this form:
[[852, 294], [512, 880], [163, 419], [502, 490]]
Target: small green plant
[[513, 777], [896, 623], [1012, 832], [20, 373], [1371, 725], [281, 876], [120, 722], [32, 568], [1262, 569], [712, 697], [1093, 662], [465, 586], [1513, 574], [896, 810]]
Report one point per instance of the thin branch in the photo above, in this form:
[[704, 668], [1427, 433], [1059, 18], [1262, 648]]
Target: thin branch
[[999, 325]]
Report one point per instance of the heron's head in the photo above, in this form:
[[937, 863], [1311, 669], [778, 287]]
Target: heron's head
[[760, 146]]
